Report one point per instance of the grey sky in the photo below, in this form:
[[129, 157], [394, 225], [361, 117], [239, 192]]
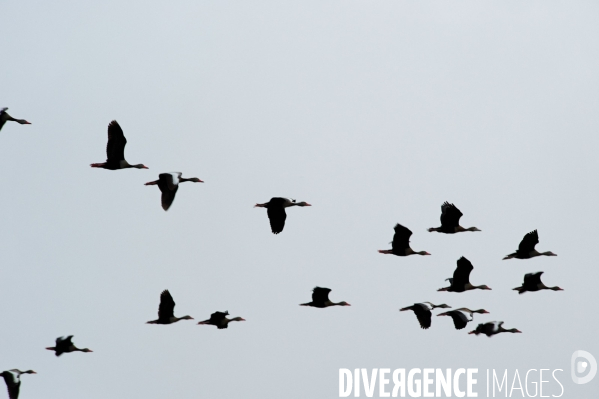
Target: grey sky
[[374, 112]]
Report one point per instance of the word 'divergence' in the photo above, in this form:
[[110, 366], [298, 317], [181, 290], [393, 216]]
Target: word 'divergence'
[[437, 383]]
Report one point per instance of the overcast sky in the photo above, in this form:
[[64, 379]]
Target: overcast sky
[[374, 112]]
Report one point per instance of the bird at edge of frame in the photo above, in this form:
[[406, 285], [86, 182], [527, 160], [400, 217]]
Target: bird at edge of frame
[[5, 117], [12, 378]]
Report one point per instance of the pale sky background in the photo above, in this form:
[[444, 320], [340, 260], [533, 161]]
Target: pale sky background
[[374, 112]]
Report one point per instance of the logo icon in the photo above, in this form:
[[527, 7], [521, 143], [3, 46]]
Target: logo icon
[[581, 360]]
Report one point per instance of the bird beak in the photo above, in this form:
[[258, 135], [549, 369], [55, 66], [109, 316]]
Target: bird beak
[[518, 331], [471, 332], [242, 320], [33, 372]]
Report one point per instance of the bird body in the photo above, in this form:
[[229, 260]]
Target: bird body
[[532, 282], [401, 243], [13, 381], [168, 183], [423, 312], [65, 345], [459, 316], [450, 220], [492, 328], [220, 320], [166, 310], [115, 150], [275, 209], [461, 278], [5, 117], [320, 299], [526, 249]]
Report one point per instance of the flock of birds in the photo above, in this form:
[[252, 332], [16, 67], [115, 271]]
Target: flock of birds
[[168, 183]]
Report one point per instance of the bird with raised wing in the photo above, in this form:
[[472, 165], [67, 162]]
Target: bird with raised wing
[[320, 299], [168, 183], [13, 381], [401, 243], [4, 117], [115, 150], [450, 220], [532, 282], [65, 345], [166, 310], [423, 312], [459, 316], [461, 278], [275, 209], [526, 249], [492, 328], [220, 320]]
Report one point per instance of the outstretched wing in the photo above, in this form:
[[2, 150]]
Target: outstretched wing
[[166, 308], [450, 215], [533, 279], [13, 383], [115, 149], [168, 184], [528, 242], [276, 214], [460, 320], [461, 275], [423, 314], [401, 238], [320, 295]]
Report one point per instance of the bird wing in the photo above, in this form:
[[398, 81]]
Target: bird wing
[[320, 295], [461, 275], [532, 278], [276, 216], [3, 109], [401, 238], [459, 319], [217, 317], [528, 242], [115, 149], [168, 184], [166, 308], [13, 384], [450, 215], [423, 314]]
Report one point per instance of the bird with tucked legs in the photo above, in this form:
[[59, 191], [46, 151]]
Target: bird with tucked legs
[[492, 328], [320, 299], [275, 209], [450, 220], [115, 150], [461, 278], [526, 249], [459, 316], [166, 310], [13, 381], [219, 319], [532, 282], [400, 245], [423, 312], [65, 345], [168, 183], [4, 117]]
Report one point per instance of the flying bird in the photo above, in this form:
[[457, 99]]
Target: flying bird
[[219, 319], [526, 249], [65, 345], [320, 299], [168, 183], [115, 150], [459, 316], [13, 381], [275, 209], [401, 243], [450, 220], [423, 312], [4, 117], [532, 282], [166, 310], [492, 328], [461, 278]]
